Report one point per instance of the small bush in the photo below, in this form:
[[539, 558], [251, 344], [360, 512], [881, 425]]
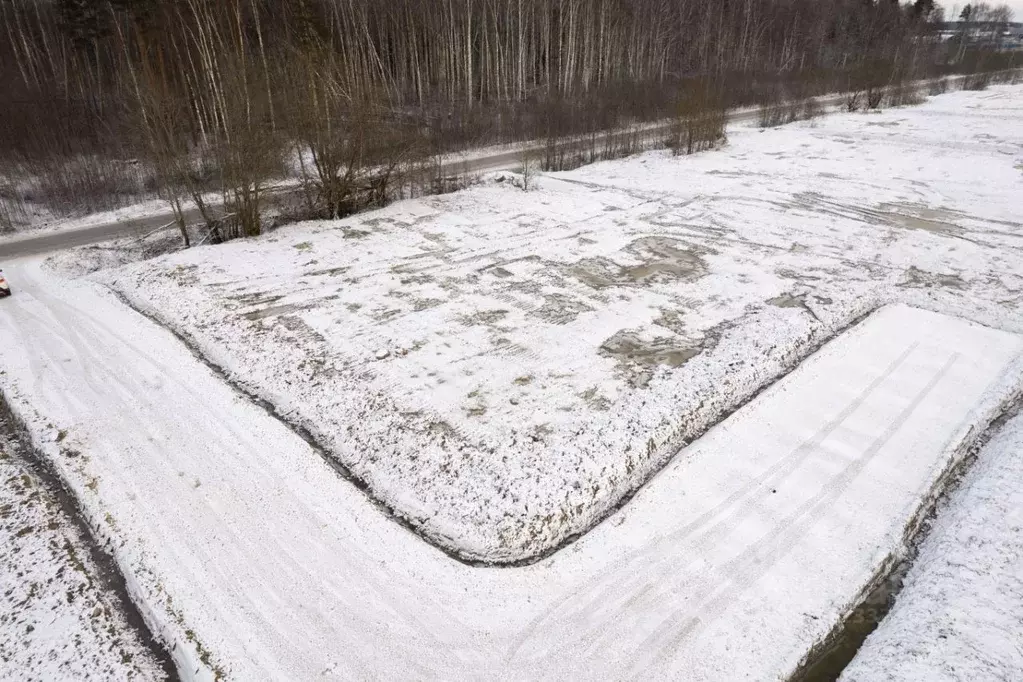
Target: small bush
[[977, 82], [528, 170], [938, 87], [699, 123], [87, 184], [12, 206], [812, 109], [874, 97], [783, 113], [904, 95], [853, 101], [1008, 77], [772, 115]]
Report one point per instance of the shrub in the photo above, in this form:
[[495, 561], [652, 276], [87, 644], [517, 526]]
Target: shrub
[[904, 95], [700, 121], [977, 81], [938, 87]]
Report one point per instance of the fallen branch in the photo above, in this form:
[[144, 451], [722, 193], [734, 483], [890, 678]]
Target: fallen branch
[[150, 234]]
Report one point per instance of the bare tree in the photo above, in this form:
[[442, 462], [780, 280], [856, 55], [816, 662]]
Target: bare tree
[[211, 93]]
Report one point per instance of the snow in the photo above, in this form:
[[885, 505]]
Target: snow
[[56, 620], [502, 368], [253, 559], [960, 614]]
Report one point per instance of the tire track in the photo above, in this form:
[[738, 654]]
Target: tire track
[[605, 589], [750, 566]]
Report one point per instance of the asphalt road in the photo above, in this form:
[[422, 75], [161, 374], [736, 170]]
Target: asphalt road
[[65, 239], [31, 245]]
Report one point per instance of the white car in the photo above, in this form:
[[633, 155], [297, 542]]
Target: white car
[[5, 287]]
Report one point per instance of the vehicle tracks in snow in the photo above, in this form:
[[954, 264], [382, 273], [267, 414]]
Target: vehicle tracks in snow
[[279, 568]]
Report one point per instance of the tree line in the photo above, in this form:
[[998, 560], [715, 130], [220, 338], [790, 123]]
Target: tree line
[[107, 100]]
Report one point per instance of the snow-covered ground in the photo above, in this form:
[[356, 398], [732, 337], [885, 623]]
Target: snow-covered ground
[[501, 368], [959, 617], [253, 559], [674, 287], [57, 622]]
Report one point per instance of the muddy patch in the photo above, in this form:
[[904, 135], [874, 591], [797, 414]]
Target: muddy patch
[[498, 271], [560, 309], [284, 308], [907, 216], [638, 357], [595, 400], [922, 279], [475, 405], [483, 318], [416, 279], [911, 222], [256, 298], [300, 329], [911, 216], [799, 301], [274, 310], [421, 304], [798, 276], [183, 275], [662, 259], [329, 272], [787, 301], [672, 320]]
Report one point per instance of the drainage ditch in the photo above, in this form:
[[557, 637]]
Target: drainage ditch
[[107, 575], [827, 660]]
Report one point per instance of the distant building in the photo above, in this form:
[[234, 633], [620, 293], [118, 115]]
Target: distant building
[[1002, 35]]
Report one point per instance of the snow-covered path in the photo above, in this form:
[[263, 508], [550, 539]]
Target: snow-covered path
[[255, 558], [959, 617]]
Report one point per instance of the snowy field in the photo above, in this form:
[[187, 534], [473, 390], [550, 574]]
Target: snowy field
[[252, 559], [502, 368], [57, 622], [446, 347], [960, 615]]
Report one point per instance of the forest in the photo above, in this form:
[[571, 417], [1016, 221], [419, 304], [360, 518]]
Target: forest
[[205, 103]]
